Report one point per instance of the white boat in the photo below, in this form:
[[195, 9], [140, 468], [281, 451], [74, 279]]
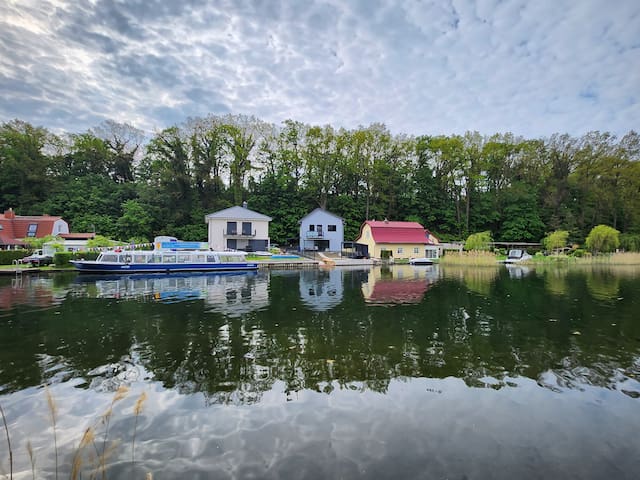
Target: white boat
[[166, 257], [516, 256], [421, 261]]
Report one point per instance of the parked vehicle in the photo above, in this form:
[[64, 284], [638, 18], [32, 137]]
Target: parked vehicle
[[37, 259]]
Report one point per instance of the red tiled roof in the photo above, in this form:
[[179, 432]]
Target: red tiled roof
[[397, 232], [15, 227]]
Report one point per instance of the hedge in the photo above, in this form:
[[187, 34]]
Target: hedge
[[8, 256]]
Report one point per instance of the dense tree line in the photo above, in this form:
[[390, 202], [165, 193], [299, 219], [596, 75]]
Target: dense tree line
[[113, 180]]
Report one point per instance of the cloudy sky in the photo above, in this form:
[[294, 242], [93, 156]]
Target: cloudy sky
[[532, 67]]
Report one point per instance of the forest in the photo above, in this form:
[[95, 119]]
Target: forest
[[122, 183]]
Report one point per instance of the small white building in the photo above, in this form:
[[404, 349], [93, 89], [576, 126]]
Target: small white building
[[322, 231], [238, 228]]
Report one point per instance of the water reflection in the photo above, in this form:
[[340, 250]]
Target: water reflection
[[400, 284], [298, 374], [232, 294], [476, 279]]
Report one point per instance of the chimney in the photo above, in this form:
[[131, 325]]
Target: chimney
[[244, 204], [9, 214]]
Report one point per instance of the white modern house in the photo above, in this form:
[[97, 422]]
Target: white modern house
[[322, 231], [238, 228]]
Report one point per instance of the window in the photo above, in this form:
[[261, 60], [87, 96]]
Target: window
[[312, 228], [246, 228], [33, 227], [331, 228], [232, 228], [416, 249], [400, 249], [1, 227]]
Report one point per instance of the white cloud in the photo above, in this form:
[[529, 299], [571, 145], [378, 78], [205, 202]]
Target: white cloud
[[533, 68]]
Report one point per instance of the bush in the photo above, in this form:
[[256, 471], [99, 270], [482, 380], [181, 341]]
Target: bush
[[630, 242], [8, 256], [84, 255], [61, 259], [578, 252]]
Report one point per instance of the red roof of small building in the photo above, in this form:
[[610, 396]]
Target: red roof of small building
[[13, 228], [397, 232]]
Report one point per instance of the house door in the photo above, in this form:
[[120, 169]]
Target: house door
[[319, 230], [232, 243]]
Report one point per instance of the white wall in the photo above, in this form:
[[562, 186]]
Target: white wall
[[321, 217]]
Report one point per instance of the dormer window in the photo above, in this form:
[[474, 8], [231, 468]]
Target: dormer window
[[31, 232]]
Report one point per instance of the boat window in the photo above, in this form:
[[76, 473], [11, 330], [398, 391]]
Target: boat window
[[126, 258], [139, 258], [184, 258], [211, 259], [199, 258], [171, 258], [108, 258], [229, 258]]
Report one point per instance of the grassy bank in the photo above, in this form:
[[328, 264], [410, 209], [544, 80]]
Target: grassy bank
[[474, 258]]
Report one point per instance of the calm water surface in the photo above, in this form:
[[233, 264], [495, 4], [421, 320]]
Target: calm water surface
[[403, 372]]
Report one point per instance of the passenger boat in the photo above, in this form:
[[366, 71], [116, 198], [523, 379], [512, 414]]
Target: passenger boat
[[166, 257]]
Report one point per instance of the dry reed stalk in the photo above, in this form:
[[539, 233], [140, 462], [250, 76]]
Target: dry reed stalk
[[106, 418], [6, 429], [53, 411], [137, 410], [32, 460], [87, 438]]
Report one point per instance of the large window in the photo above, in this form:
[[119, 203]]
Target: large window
[[246, 228], [232, 228], [31, 232], [331, 228]]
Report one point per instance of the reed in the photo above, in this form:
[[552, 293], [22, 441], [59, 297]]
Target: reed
[[137, 410], [106, 418], [32, 460], [6, 429], [476, 258], [53, 412]]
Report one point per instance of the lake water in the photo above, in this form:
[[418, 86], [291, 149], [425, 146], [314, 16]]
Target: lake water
[[402, 372]]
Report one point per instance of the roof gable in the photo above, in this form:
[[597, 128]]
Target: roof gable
[[321, 211], [237, 213], [13, 227], [397, 232]]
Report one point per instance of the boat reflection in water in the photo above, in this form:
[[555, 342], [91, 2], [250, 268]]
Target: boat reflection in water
[[399, 284], [232, 294]]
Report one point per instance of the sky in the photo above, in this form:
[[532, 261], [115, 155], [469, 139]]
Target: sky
[[531, 67]]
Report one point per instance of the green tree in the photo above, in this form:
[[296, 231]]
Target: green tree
[[555, 240], [135, 221], [478, 241], [603, 238]]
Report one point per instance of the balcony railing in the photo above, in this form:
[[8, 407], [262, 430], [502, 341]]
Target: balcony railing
[[236, 234], [314, 235]]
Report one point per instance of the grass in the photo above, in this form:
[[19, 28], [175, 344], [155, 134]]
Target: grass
[[87, 446]]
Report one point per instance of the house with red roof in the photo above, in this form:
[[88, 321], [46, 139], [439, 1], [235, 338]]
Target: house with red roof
[[15, 228], [403, 239]]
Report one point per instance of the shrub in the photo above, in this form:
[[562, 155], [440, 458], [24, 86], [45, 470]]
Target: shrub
[[8, 256], [61, 259], [556, 240], [630, 242]]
